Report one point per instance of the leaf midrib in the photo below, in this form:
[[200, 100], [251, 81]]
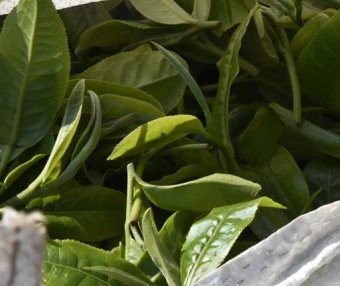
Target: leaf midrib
[[20, 104]]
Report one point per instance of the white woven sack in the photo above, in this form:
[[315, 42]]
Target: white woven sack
[[304, 252]]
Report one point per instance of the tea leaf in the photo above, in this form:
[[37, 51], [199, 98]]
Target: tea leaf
[[68, 128], [311, 135], [147, 70], [319, 74], [230, 12], [119, 275], [157, 133], [200, 195], [158, 252], [34, 70], [163, 11], [211, 237], [65, 261], [89, 213], [105, 87]]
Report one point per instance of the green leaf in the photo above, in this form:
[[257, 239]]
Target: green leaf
[[163, 11], [282, 180], [319, 75], [65, 261], [324, 174], [310, 134], [230, 12], [228, 68], [89, 213], [172, 236], [115, 106], [92, 139], [105, 87], [304, 35], [119, 275], [34, 70], [201, 9], [147, 70], [258, 142], [79, 18], [13, 175], [211, 238], [157, 133], [125, 33], [158, 252], [68, 128], [199, 195], [190, 81]]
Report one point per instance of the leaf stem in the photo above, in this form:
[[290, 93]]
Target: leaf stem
[[284, 47], [129, 198]]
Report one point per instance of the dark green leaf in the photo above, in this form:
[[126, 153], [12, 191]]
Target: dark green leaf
[[90, 213]]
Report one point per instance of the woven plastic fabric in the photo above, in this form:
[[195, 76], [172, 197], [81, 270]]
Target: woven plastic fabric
[[304, 252]]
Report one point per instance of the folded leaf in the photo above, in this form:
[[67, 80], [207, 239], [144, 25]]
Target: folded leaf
[[200, 195]]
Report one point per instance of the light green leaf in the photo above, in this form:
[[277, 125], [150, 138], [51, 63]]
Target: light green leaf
[[199, 195], [34, 70], [211, 238], [68, 128], [89, 213], [157, 133], [19, 170], [201, 9], [88, 142], [119, 275], [65, 262], [158, 252], [163, 11], [318, 66], [147, 70]]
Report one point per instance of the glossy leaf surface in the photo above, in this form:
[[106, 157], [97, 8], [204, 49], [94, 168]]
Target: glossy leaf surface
[[157, 133], [34, 70], [211, 237]]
